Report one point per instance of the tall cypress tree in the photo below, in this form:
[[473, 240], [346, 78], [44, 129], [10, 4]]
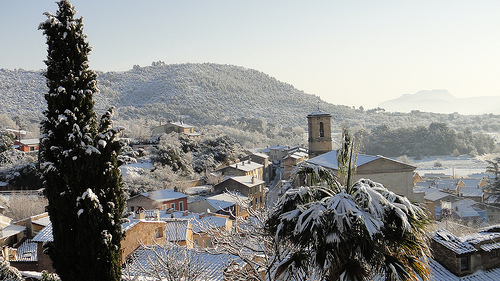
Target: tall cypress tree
[[78, 157]]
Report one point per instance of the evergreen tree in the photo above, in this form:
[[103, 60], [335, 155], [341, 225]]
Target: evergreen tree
[[78, 158]]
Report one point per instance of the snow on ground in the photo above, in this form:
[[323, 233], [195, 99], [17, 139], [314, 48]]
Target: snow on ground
[[136, 169], [458, 166]]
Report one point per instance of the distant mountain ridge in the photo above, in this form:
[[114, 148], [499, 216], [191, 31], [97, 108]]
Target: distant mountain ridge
[[441, 101]]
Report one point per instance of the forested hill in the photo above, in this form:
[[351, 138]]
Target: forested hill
[[211, 94]]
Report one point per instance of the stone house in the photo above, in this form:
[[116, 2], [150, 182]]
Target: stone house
[[27, 145], [200, 221], [139, 229], [243, 168], [159, 199], [467, 254], [291, 161], [225, 204], [248, 186], [262, 159], [178, 127]]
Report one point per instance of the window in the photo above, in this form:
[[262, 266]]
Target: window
[[164, 206], [464, 263], [181, 206], [172, 206], [256, 201], [493, 254], [159, 232], [321, 130], [131, 208], [261, 199]]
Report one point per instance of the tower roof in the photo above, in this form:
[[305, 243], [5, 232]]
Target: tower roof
[[319, 113]]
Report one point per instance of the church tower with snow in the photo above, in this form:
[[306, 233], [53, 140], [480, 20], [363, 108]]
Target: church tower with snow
[[320, 133]]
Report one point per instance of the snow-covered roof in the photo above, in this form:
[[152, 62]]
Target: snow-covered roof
[[440, 273], [198, 220], [471, 192], [176, 229], [435, 196], [464, 208], [482, 176], [472, 182], [490, 246], [262, 155], [163, 195], [225, 200], [43, 221], [246, 166], [297, 155], [30, 141], [480, 237], [274, 147], [329, 160], [11, 230], [2, 183], [45, 235], [247, 180], [452, 242], [27, 252], [319, 113], [180, 124], [423, 184], [447, 184], [198, 189]]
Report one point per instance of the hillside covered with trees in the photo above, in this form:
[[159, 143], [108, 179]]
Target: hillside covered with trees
[[250, 106]]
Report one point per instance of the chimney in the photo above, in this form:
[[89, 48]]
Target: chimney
[[140, 214], [243, 163], [202, 215], [185, 213], [253, 180], [249, 161]]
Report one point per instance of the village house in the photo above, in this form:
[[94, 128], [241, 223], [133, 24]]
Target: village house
[[159, 199], [291, 161], [263, 159], [178, 127], [201, 221], [138, 230], [27, 145], [467, 254], [243, 168], [248, 186], [224, 203]]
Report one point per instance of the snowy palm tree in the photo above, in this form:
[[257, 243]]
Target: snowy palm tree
[[349, 231]]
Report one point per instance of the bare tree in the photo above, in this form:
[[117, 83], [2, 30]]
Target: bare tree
[[23, 206], [250, 241], [165, 262]]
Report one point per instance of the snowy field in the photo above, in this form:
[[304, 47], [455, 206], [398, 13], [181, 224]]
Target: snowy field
[[461, 166], [136, 169]]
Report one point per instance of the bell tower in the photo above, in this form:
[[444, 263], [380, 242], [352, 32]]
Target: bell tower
[[320, 133]]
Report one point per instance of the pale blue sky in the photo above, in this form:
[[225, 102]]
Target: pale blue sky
[[347, 52]]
